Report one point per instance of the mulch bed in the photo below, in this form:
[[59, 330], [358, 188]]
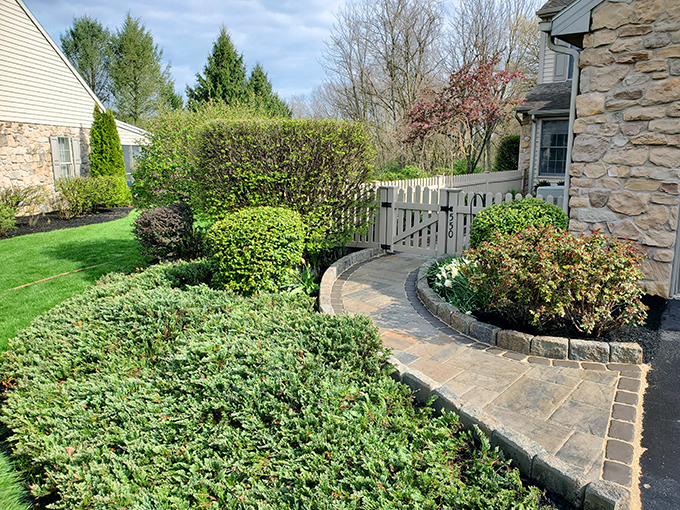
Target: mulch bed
[[53, 221]]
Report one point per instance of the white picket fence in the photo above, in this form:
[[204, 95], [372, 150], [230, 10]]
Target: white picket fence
[[428, 221], [486, 182]]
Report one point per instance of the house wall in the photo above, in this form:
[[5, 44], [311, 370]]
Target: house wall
[[26, 155], [625, 173]]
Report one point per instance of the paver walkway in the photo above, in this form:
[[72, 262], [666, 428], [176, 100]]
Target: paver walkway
[[585, 417]]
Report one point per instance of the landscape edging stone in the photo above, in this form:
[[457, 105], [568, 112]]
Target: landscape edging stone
[[576, 350]]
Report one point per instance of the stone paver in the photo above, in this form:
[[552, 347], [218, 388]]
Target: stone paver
[[565, 406]]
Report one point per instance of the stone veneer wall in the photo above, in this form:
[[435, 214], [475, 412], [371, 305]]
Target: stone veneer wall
[[26, 155], [626, 156]]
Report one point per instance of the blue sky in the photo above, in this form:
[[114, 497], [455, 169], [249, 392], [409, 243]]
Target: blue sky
[[285, 36]]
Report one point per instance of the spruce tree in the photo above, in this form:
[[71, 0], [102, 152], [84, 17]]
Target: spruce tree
[[224, 75], [263, 95], [139, 84]]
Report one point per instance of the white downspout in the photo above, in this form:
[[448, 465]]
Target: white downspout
[[532, 156], [545, 27]]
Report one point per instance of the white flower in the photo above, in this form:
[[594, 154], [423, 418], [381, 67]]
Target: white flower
[[448, 283]]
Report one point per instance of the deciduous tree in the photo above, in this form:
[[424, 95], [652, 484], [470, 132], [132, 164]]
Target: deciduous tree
[[466, 110]]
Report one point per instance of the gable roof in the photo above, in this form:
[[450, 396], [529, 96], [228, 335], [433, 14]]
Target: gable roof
[[39, 85]]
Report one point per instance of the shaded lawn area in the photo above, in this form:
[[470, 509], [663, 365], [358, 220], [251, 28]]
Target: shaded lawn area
[[25, 259]]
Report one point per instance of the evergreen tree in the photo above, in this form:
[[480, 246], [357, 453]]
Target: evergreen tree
[[224, 75], [106, 153], [87, 46], [263, 95], [139, 84]]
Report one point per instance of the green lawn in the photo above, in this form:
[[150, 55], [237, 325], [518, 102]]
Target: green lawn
[[30, 258]]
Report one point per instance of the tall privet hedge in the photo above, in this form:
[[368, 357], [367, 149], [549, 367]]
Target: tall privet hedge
[[315, 167]]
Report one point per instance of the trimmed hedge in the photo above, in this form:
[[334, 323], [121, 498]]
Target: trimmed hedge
[[507, 157], [256, 249], [510, 217], [141, 393], [315, 167]]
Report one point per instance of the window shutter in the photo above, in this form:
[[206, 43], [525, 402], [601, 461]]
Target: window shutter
[[75, 151], [56, 168], [561, 63]]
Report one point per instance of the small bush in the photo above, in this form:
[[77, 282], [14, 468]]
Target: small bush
[[507, 157], [543, 276], [138, 394], [26, 197], [166, 232], [400, 174], [511, 217], [256, 249], [7, 221], [84, 195], [451, 284]]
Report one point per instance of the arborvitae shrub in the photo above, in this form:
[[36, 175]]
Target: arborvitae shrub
[[507, 157], [511, 217], [315, 167], [166, 232], [544, 276], [256, 249], [106, 155]]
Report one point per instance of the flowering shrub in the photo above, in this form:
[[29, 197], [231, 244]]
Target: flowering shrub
[[451, 284], [542, 276]]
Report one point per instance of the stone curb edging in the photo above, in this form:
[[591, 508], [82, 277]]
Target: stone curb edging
[[544, 346], [335, 270], [532, 460]]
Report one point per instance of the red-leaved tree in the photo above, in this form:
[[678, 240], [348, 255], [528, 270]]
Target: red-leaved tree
[[466, 111]]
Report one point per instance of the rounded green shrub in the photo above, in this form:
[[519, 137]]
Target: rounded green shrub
[[7, 221], [254, 250], [511, 217]]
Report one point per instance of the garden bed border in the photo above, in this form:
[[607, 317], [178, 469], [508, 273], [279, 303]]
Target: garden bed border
[[532, 460], [553, 347]]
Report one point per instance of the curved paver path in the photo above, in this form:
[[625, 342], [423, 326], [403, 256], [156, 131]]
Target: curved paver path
[[586, 417]]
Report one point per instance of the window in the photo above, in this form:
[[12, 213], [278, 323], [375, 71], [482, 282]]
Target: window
[[130, 155], [564, 64], [65, 157], [553, 152]]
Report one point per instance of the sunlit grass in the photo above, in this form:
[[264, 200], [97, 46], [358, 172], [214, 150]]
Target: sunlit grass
[[30, 258]]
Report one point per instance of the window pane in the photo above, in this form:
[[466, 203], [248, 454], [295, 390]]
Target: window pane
[[65, 160], [553, 151]]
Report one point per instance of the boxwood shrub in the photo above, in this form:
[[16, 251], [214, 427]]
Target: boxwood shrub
[[146, 393], [511, 217], [256, 249]]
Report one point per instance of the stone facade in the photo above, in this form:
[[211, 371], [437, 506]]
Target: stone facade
[[625, 171], [26, 155]]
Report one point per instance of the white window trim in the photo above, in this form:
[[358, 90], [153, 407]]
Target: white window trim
[[539, 138], [76, 161]]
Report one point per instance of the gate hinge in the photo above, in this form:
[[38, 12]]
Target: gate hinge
[[386, 204], [446, 208], [387, 247]]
